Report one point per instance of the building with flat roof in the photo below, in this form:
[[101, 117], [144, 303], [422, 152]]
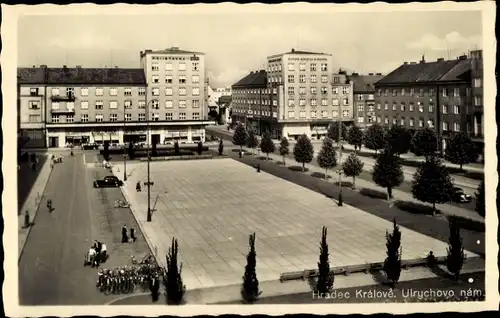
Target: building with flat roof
[[364, 98]]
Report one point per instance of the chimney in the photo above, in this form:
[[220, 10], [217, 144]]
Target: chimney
[[293, 50], [34, 66], [355, 74], [370, 73], [462, 57], [440, 59], [65, 67], [379, 73]]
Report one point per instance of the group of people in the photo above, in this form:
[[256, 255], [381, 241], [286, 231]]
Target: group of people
[[56, 159], [97, 254], [125, 235]]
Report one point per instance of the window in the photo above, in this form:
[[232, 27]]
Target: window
[[169, 116], [113, 117], [431, 108], [155, 66], [394, 92], [55, 118], [291, 67], [386, 92], [379, 120], [302, 78], [70, 106], [445, 92], [335, 90], [291, 103], [430, 122], [182, 104], [456, 126], [169, 104], [291, 90], [169, 91], [99, 118], [195, 66], [128, 117], [84, 91], [291, 114], [402, 122], [182, 91], [361, 120], [379, 92], [394, 106], [182, 79], [291, 79], [421, 92], [313, 114], [361, 107], [141, 104], [168, 79], [302, 90], [302, 102], [302, 66], [155, 104], [127, 104], [371, 108], [155, 91], [445, 109], [314, 102], [85, 118], [360, 96], [420, 107], [456, 92], [324, 113], [386, 120], [313, 78], [394, 121], [313, 90], [335, 102], [345, 90], [196, 91], [70, 91], [324, 90], [335, 113], [142, 91], [195, 79], [99, 104], [113, 91], [456, 110], [412, 122], [182, 66], [477, 101], [155, 79], [477, 82], [403, 107], [324, 67], [324, 78], [412, 91], [34, 104], [431, 91], [386, 106], [403, 92], [127, 91], [142, 117], [302, 114], [33, 91], [346, 101], [345, 113], [445, 126], [155, 117], [182, 116], [313, 67], [55, 92], [379, 107], [84, 104], [113, 104], [168, 67], [421, 123], [324, 102], [196, 116], [196, 103]]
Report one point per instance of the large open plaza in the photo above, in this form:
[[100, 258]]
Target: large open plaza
[[212, 206]]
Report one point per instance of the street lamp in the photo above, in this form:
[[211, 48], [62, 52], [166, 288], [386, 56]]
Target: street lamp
[[148, 183], [124, 148]]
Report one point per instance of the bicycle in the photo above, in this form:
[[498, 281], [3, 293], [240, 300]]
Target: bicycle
[[121, 204]]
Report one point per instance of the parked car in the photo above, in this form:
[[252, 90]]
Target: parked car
[[460, 196], [108, 182]]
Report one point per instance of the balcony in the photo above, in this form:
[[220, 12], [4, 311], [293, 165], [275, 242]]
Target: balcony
[[62, 111], [67, 98]]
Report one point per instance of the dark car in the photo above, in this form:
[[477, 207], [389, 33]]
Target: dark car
[[108, 182], [459, 196]]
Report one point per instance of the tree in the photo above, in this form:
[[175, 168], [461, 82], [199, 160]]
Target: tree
[[221, 147], [424, 142], [303, 151], [352, 167], [240, 136], [131, 150], [480, 200], [325, 277], [355, 137], [375, 137], [460, 150], [455, 252], [200, 147], [398, 139], [392, 264], [267, 145], [432, 183], [284, 148], [172, 279], [333, 131], [176, 148], [327, 157], [252, 141], [105, 151], [388, 171], [250, 288]]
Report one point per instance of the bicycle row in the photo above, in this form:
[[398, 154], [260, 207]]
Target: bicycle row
[[126, 279]]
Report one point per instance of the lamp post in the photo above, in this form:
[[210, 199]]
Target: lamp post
[[124, 148], [148, 183]]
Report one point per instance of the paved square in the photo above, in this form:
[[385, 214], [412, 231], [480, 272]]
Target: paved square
[[211, 207]]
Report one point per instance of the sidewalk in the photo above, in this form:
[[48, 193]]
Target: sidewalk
[[446, 209], [32, 203]]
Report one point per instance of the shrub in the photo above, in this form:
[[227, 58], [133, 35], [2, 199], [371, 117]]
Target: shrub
[[388, 171], [392, 264], [325, 277], [250, 288], [174, 287], [352, 167], [455, 253], [375, 138], [240, 136]]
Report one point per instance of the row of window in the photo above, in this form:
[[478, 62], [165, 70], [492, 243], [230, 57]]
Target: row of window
[[303, 79], [314, 90], [421, 123], [445, 92], [362, 97], [169, 79], [84, 91], [243, 91], [84, 118], [313, 67], [113, 104], [302, 113], [314, 102], [445, 108], [155, 66], [181, 91], [240, 101]]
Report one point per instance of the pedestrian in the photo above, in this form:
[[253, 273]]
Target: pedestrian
[[154, 287], [104, 255], [138, 186], [33, 166], [26, 219], [124, 234], [133, 238]]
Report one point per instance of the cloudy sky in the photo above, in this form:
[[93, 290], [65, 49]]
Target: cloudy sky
[[238, 43]]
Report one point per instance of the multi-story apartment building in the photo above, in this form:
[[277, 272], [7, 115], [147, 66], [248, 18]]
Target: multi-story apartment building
[[176, 93], [364, 98], [476, 123], [427, 94]]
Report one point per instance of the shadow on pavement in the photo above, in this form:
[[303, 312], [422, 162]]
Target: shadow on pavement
[[438, 271], [415, 208], [265, 158], [320, 175], [26, 178], [374, 194]]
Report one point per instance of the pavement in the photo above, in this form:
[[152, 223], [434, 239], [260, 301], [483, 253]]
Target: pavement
[[211, 206], [51, 270]]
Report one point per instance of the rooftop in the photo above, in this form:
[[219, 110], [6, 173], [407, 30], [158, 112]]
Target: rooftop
[[81, 76], [293, 51], [365, 83], [254, 79], [171, 50]]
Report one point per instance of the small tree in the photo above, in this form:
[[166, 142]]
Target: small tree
[[388, 171], [325, 277], [455, 252], [355, 137], [176, 148], [327, 157], [333, 131], [303, 151], [221, 147], [267, 145], [375, 138], [398, 139], [353, 167], [105, 151], [432, 183], [240, 136], [392, 264], [461, 150], [131, 150], [200, 147], [172, 279], [284, 148], [250, 288], [252, 141], [480, 200], [424, 142]]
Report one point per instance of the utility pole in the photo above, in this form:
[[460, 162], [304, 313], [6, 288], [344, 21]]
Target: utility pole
[[148, 183], [124, 148]]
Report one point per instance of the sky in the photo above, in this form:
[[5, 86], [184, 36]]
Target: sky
[[237, 43]]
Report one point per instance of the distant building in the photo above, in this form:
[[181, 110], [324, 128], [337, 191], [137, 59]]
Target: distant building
[[364, 98], [225, 109], [214, 95], [430, 94]]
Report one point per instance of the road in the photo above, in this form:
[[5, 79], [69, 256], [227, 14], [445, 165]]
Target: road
[[51, 268]]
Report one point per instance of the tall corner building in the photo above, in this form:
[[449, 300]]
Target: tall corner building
[[176, 94]]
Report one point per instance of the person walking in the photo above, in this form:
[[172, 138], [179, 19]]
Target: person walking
[[133, 238], [124, 234]]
